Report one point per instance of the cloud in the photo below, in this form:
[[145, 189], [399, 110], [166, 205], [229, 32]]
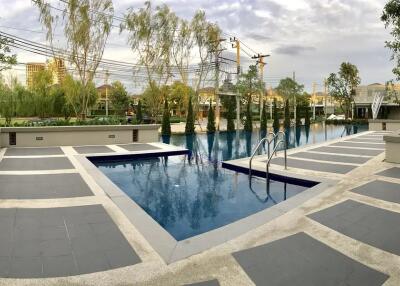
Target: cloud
[[293, 50]]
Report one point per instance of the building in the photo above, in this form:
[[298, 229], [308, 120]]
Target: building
[[58, 70], [104, 92], [56, 66], [31, 70], [365, 96]]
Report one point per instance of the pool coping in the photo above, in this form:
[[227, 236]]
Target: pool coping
[[164, 243]]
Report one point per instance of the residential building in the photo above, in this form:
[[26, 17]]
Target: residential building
[[31, 70], [58, 70], [365, 96], [104, 96]]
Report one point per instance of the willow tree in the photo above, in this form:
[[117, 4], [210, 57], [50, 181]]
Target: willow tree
[[6, 58], [86, 26], [206, 38], [151, 36]]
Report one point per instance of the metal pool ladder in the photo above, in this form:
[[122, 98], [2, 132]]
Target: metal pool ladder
[[273, 139]]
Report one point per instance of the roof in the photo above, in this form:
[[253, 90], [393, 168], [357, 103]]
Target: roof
[[104, 86]]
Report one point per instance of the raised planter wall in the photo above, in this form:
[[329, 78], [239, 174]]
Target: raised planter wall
[[392, 147], [77, 135], [384, 124]]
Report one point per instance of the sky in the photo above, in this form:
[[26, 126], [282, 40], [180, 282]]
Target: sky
[[309, 37]]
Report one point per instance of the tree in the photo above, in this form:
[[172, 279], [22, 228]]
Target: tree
[[342, 86], [179, 94], [74, 89], [43, 99], [248, 123], [139, 114], [298, 116], [230, 115], [211, 119], [286, 122], [60, 104], [6, 59], [189, 127], [166, 124], [86, 33], [275, 124], [263, 123], [307, 116], [119, 96], [8, 103], [289, 89]]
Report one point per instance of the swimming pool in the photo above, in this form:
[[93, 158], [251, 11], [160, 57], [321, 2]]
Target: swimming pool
[[191, 197]]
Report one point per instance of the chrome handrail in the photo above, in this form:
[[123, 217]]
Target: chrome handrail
[[255, 151], [274, 138], [270, 157]]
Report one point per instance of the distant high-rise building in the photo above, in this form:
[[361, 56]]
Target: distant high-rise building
[[58, 69], [31, 70]]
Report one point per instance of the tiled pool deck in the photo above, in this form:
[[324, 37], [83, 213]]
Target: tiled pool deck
[[59, 227]]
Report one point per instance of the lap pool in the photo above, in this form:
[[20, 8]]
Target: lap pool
[[191, 197]]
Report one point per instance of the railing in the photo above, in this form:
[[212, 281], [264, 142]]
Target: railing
[[270, 157], [273, 139]]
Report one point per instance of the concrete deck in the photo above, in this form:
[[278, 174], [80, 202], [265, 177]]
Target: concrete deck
[[309, 245]]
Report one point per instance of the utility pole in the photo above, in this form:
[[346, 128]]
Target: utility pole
[[261, 65], [314, 86], [106, 85], [236, 44], [325, 100], [271, 102]]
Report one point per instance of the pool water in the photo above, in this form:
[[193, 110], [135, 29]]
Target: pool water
[[190, 197], [226, 146]]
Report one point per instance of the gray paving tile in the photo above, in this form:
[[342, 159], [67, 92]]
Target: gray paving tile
[[92, 149], [331, 158], [43, 186], [374, 226], [138, 147], [380, 190], [301, 260], [315, 166], [44, 245], [392, 173], [35, 164], [34, 151], [350, 151], [57, 266], [358, 145], [205, 283], [365, 139]]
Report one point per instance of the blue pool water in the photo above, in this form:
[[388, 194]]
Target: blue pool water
[[188, 198], [190, 195]]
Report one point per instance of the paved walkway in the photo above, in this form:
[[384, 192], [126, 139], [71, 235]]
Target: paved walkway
[[69, 232]]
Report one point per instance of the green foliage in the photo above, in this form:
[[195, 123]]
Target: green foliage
[[166, 124], [153, 99], [289, 89], [249, 83], [189, 127], [286, 123], [6, 59], [179, 94], [391, 18], [342, 86], [263, 123], [119, 97], [43, 99], [85, 41], [298, 115], [230, 115], [211, 119], [78, 96], [139, 113], [275, 124], [248, 123]]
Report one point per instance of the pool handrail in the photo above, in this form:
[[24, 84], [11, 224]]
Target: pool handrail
[[258, 146], [270, 157]]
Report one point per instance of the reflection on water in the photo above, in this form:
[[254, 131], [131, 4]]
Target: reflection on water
[[225, 146], [192, 195], [192, 198]]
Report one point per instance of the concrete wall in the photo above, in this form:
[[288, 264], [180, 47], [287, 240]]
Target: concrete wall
[[392, 147], [378, 125], [78, 135]]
